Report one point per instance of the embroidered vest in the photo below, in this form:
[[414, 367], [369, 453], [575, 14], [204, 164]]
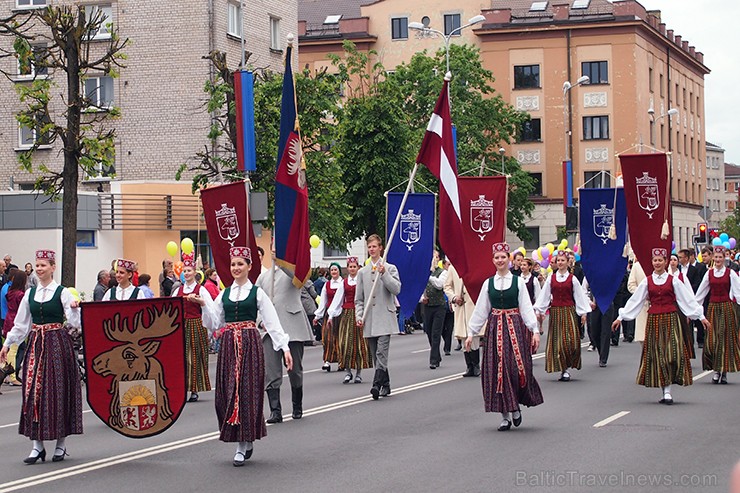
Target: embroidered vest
[[48, 312], [240, 311], [719, 287], [506, 299], [349, 295], [662, 298], [192, 310], [562, 292], [434, 296]]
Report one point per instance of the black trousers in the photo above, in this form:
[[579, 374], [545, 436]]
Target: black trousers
[[434, 320], [449, 327], [600, 331]]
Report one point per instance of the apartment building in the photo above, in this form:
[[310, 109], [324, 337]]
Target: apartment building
[[715, 192]]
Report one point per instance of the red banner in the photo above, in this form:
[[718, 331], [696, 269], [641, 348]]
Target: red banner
[[229, 224], [483, 202], [648, 204], [135, 363]]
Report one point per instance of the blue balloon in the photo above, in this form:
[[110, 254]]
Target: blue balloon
[[724, 237], [716, 241], [182, 278], [726, 244], [578, 257]]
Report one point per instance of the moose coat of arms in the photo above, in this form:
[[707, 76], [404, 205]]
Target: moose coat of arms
[[135, 363]]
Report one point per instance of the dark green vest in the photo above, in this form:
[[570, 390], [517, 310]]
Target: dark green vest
[[434, 295], [240, 311], [504, 300], [48, 312]]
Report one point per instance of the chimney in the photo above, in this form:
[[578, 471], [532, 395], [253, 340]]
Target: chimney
[[561, 12], [677, 39], [498, 16], [700, 57], [685, 45], [669, 34], [692, 50], [661, 28]]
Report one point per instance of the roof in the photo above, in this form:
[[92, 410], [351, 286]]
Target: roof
[[522, 11], [731, 170], [713, 147], [316, 11]]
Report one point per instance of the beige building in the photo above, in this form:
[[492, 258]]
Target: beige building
[[715, 189], [163, 123], [638, 70], [731, 188]]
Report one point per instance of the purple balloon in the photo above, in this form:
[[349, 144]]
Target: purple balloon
[[733, 242], [544, 252], [545, 263], [673, 245]]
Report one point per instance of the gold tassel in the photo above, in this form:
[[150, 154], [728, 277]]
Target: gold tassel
[[612, 232], [626, 250], [665, 232]]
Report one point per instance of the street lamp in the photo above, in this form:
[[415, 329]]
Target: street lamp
[[501, 152], [418, 26], [568, 125], [670, 114]]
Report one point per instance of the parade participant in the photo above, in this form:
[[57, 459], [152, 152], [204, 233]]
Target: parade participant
[[664, 360], [533, 285], [564, 296], [51, 407], [687, 328], [13, 297], [240, 370], [637, 275], [380, 321], [353, 351], [435, 309], [516, 262], [721, 343], [463, 306], [325, 318], [507, 378], [196, 336], [125, 290]]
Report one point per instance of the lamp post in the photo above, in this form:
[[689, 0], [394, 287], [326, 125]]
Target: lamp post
[[502, 152], [568, 125], [418, 26], [670, 114]]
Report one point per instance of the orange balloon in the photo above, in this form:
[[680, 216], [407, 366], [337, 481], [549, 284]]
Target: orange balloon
[[177, 267]]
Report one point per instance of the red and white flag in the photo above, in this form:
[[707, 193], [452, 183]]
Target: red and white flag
[[438, 154]]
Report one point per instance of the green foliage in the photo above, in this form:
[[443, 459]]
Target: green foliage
[[731, 224]]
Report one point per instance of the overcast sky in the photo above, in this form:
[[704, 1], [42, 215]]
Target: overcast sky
[[711, 26]]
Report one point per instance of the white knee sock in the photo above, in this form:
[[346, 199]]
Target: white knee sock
[[38, 446], [516, 414], [60, 443], [506, 415], [359, 371], [241, 447], [667, 390]]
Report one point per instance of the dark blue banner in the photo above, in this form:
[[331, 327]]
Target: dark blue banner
[[413, 244], [601, 257]]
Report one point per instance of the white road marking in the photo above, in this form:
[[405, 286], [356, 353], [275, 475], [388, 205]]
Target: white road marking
[[703, 374], [421, 351], [608, 420]]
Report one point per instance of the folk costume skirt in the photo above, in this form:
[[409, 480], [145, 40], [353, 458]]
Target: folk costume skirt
[[721, 344], [563, 340], [353, 351], [330, 339], [240, 384], [665, 359], [52, 397], [196, 353], [506, 372]]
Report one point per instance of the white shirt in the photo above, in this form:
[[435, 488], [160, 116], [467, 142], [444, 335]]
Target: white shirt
[[123, 293], [703, 290], [436, 282], [583, 305], [335, 309], [536, 283], [188, 288], [23, 320], [214, 318], [483, 306], [684, 297], [334, 283]]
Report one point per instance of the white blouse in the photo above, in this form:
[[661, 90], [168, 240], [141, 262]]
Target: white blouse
[[536, 283], [684, 297], [23, 320], [189, 288], [583, 305], [123, 294], [483, 306], [703, 290], [336, 305], [214, 318], [324, 297]]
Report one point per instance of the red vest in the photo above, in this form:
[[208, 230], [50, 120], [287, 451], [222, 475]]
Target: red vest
[[192, 310], [349, 295], [562, 292], [662, 298], [719, 287], [330, 292]]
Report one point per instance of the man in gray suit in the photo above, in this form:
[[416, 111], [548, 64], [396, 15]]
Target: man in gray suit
[[287, 300], [380, 311]]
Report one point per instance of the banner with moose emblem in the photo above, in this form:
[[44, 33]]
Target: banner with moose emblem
[[135, 363]]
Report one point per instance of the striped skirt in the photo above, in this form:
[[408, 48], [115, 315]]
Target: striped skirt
[[330, 340], [721, 344], [240, 385], [353, 351], [563, 340], [506, 373], [665, 359], [52, 397], [196, 352]]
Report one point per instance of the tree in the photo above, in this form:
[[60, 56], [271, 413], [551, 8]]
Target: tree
[[731, 225], [59, 39]]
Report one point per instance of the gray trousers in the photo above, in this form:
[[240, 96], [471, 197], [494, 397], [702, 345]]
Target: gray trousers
[[379, 347], [274, 365]]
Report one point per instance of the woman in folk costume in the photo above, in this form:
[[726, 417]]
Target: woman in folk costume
[[637, 275], [513, 335], [721, 343], [196, 336], [686, 327], [462, 306], [240, 371], [329, 330], [125, 290], [665, 360], [51, 406], [353, 351], [566, 299]]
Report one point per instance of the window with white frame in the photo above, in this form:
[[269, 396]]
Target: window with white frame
[[234, 19], [452, 24], [104, 15], [30, 4], [275, 34], [34, 66], [98, 92], [28, 136]]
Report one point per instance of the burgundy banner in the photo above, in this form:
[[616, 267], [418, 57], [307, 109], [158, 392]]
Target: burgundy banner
[[646, 194], [483, 202], [229, 224], [135, 363]]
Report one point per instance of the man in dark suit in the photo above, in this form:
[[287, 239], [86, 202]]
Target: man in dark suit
[[694, 272]]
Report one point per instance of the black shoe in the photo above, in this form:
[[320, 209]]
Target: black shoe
[[629, 339], [297, 395], [239, 462], [723, 379], [358, 379], [666, 400], [476, 370], [517, 421], [193, 397], [447, 353], [276, 410], [459, 346], [32, 460], [433, 366], [375, 392], [385, 391], [326, 367], [505, 425], [59, 454], [348, 378], [715, 378], [602, 364]]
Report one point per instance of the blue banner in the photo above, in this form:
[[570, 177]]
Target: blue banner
[[601, 257], [413, 244]]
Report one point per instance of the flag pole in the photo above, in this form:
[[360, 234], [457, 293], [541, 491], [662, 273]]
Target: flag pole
[[392, 234]]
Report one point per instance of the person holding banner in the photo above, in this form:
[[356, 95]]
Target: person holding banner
[[125, 290], [325, 317], [721, 344], [435, 309], [564, 296], [665, 360], [52, 398], [196, 336], [240, 370], [513, 336], [462, 306]]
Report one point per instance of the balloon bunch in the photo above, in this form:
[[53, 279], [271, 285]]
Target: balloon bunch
[[187, 246], [545, 255], [723, 239]]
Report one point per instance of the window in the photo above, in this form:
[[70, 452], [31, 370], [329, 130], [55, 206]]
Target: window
[[103, 172], [86, 239], [595, 127], [27, 136], [530, 131], [662, 138], [104, 15], [662, 91], [534, 232], [34, 66], [332, 251], [30, 4], [537, 182], [597, 72], [650, 78], [596, 179], [234, 19], [526, 76], [652, 133], [452, 23], [684, 98], [400, 28], [692, 147], [99, 92], [275, 34]]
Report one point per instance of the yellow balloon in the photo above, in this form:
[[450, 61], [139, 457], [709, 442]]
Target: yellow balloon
[[187, 246], [698, 257], [315, 241], [440, 265], [550, 247], [564, 242], [523, 250], [75, 294], [561, 247], [171, 248], [549, 269]]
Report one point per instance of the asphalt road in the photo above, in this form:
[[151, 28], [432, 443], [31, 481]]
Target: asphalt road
[[431, 434]]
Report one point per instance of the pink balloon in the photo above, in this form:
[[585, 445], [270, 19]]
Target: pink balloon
[[575, 249]]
